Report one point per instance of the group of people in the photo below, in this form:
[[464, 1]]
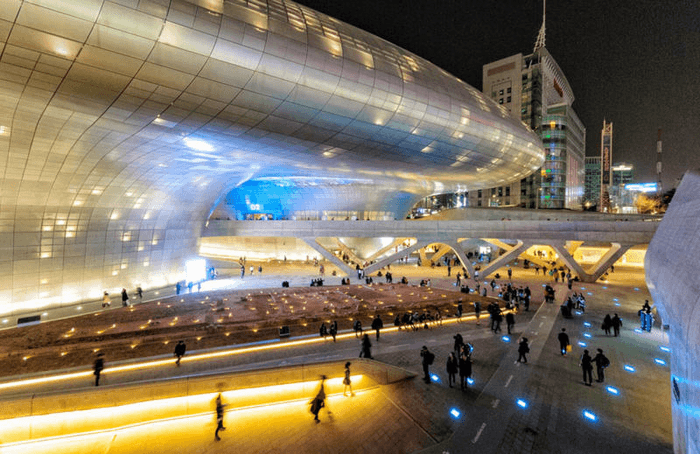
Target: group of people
[[586, 363], [646, 318], [614, 323], [415, 320], [107, 300]]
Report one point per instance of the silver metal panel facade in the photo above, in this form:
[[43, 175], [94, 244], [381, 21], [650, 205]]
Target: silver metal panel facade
[[123, 123]]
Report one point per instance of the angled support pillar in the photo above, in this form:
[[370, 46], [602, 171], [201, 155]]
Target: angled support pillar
[[505, 258], [444, 249], [568, 259], [393, 257], [348, 251], [382, 251], [616, 251], [572, 246], [423, 256], [329, 256], [459, 250]]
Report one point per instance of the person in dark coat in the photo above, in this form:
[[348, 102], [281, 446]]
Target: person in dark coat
[[459, 341], [607, 324], [98, 367], [510, 321], [563, 341], [523, 349], [601, 362], [125, 298], [180, 349], [334, 329], [219, 417], [465, 371], [377, 324], [587, 368], [357, 326], [323, 331], [318, 402], [452, 368], [366, 347], [427, 358], [616, 324]]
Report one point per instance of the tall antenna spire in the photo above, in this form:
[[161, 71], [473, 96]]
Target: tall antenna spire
[[539, 44]]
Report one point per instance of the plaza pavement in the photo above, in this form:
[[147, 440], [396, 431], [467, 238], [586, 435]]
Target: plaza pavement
[[412, 416]]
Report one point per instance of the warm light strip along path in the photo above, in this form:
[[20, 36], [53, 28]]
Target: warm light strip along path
[[206, 356]]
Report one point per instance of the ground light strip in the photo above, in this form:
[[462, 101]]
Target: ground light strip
[[30, 445], [211, 355]]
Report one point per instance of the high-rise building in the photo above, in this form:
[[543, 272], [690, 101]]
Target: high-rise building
[[622, 199], [591, 196], [533, 88], [606, 166]]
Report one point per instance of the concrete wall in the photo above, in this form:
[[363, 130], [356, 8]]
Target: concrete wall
[[673, 277]]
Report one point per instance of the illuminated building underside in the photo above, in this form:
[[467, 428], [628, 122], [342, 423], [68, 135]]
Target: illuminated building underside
[[122, 129]]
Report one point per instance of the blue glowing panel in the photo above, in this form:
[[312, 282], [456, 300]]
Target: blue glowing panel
[[638, 331], [617, 304], [455, 413], [583, 288], [435, 378], [636, 289], [663, 348], [586, 324], [629, 368], [605, 287], [583, 344], [587, 335], [612, 390], [615, 299], [589, 293], [589, 415], [660, 361], [505, 339], [579, 313], [470, 381], [521, 403]]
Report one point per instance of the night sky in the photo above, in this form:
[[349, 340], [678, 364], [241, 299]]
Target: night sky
[[633, 62]]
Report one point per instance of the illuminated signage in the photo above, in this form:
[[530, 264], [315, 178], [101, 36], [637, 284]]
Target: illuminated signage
[[642, 187]]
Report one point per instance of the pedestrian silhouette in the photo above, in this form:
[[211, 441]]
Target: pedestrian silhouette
[[98, 367], [318, 402], [366, 347], [180, 349], [219, 417], [523, 350], [347, 384]]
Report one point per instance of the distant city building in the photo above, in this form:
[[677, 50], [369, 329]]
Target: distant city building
[[534, 89], [622, 199], [591, 195], [606, 148]]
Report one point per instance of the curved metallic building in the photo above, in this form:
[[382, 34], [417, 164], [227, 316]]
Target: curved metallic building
[[123, 124]]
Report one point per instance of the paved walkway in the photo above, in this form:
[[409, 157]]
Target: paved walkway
[[412, 416]]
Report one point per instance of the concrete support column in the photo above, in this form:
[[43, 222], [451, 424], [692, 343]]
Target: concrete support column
[[568, 259], [459, 250], [616, 251], [330, 257], [423, 257], [393, 257], [444, 249], [379, 253], [505, 258], [349, 252]]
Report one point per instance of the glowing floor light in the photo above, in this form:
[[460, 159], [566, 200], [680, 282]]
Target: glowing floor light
[[435, 378], [583, 288], [470, 381], [612, 390], [505, 339], [590, 415], [615, 299], [579, 313], [638, 331], [455, 413], [589, 293], [521, 403], [587, 335], [636, 289], [605, 287], [660, 361], [663, 348], [583, 344], [617, 304], [629, 368], [586, 324]]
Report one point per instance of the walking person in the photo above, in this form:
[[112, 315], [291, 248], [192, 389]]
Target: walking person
[[607, 324], [347, 384], [427, 358], [323, 331], [564, 343], [98, 367], [523, 349], [139, 293], [465, 370], [125, 298], [587, 368], [334, 329], [318, 402], [497, 319], [601, 362], [106, 300], [377, 324], [616, 324], [477, 311], [357, 326], [219, 417], [366, 351], [459, 310], [510, 321], [452, 368], [459, 341], [180, 349]]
